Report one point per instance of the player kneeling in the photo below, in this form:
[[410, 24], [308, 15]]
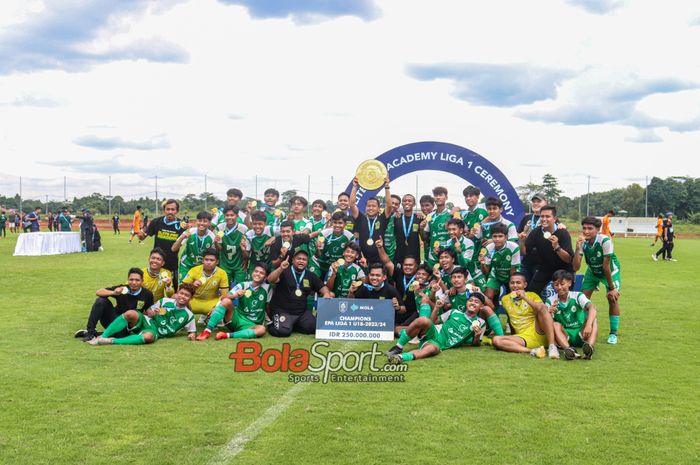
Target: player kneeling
[[242, 310], [458, 328], [530, 320], [575, 322], [164, 319]]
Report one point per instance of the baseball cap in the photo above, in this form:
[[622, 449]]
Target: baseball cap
[[538, 195]]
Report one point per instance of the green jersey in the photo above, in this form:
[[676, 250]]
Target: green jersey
[[260, 253], [220, 219], [502, 260], [169, 318], [573, 312], [474, 216], [232, 243], [333, 246], [465, 256], [3, 220], [436, 225], [315, 226], [344, 278], [302, 225], [251, 305], [274, 216], [457, 329], [484, 233], [595, 254], [195, 245], [64, 221], [390, 239]]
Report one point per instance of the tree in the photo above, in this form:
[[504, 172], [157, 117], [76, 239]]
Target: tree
[[526, 191], [286, 197], [550, 186]]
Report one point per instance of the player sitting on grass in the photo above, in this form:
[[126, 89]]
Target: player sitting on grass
[[575, 322], [457, 297], [458, 328], [531, 322], [210, 283], [131, 296], [502, 259], [197, 239], [603, 266], [242, 310], [164, 319]]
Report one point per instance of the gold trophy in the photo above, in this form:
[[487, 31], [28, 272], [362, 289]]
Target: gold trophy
[[370, 174]]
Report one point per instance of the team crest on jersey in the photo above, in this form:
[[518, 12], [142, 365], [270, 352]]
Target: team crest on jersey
[[598, 255], [283, 319], [306, 283], [261, 297], [139, 305]]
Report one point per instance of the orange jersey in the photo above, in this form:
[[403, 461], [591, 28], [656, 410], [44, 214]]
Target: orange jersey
[[137, 220], [659, 227], [606, 226]]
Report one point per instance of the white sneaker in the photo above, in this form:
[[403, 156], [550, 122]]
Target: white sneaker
[[653, 257], [553, 352]]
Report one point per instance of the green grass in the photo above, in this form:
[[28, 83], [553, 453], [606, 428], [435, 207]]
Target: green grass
[[62, 401]]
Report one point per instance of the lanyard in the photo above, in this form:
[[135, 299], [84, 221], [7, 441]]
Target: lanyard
[[333, 238], [200, 248], [407, 284], [534, 224], [229, 231], [371, 227], [372, 288], [298, 280], [407, 231]]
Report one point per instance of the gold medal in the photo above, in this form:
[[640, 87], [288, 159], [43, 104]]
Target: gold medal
[[370, 174], [370, 241], [357, 283], [278, 212], [214, 211], [125, 290], [340, 262], [415, 285], [476, 325], [547, 235], [483, 251], [286, 245], [469, 287], [325, 215], [477, 225], [456, 215], [248, 293], [254, 203], [203, 279], [514, 294], [321, 239], [163, 275], [298, 293], [162, 311], [436, 267], [220, 234], [183, 224], [436, 244], [429, 218]]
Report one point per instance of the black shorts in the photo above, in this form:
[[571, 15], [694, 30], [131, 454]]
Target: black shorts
[[283, 323]]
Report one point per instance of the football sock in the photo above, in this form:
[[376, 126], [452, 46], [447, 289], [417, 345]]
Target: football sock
[[407, 357], [495, 324], [216, 316], [131, 340], [243, 334], [116, 326], [403, 338], [424, 310], [614, 323]]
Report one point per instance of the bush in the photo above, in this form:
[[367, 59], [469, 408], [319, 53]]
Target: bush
[[694, 218]]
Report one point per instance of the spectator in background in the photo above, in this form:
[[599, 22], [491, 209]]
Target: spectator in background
[[136, 225], [64, 220], [12, 218], [86, 229], [605, 229], [50, 221], [667, 238], [659, 229], [32, 220], [144, 224], [115, 224], [3, 222]]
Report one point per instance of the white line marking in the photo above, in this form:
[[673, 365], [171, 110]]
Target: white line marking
[[238, 442]]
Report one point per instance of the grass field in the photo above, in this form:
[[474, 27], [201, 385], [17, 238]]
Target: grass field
[[180, 402]]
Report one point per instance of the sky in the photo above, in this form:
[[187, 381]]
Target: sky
[[299, 93]]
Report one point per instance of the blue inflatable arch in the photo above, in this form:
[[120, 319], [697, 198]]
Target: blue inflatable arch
[[440, 156]]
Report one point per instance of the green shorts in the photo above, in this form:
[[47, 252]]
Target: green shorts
[[431, 336], [144, 325], [236, 276], [239, 323], [495, 283], [591, 281], [574, 334], [480, 282]]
